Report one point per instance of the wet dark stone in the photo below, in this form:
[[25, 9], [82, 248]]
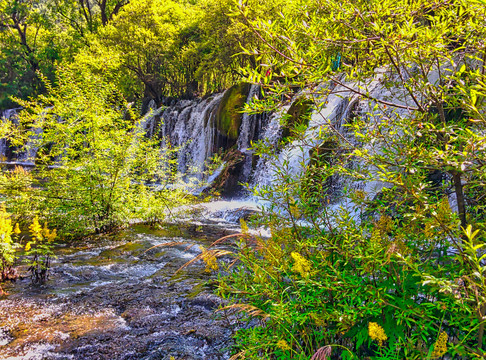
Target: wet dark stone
[[128, 307]]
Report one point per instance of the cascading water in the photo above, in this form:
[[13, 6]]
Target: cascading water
[[115, 298], [295, 156], [188, 125], [10, 116], [11, 154], [271, 134], [249, 131], [191, 127]]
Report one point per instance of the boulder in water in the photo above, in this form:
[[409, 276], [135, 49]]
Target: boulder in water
[[227, 183]]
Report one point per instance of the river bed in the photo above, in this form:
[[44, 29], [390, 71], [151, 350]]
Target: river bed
[[116, 297]]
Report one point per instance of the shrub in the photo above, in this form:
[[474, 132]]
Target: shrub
[[39, 251], [395, 272], [94, 166], [8, 244]]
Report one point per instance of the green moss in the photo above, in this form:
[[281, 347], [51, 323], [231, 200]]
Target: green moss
[[324, 153], [298, 114], [228, 117]]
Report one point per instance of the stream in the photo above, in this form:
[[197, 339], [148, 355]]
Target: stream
[[116, 297]]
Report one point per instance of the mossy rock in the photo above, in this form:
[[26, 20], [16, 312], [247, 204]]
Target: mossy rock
[[228, 116], [298, 114], [227, 183]]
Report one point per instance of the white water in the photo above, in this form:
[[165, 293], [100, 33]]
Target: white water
[[189, 126], [25, 158], [6, 115]]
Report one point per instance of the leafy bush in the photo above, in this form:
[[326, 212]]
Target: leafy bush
[[39, 249], [8, 244], [380, 289], [94, 164], [396, 271]]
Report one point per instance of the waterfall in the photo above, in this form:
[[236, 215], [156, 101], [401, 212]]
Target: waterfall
[[271, 134], [28, 156], [248, 123], [334, 113], [190, 127], [9, 153], [250, 130], [5, 115]]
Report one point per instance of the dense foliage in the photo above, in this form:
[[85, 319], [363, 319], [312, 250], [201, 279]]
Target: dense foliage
[[38, 250], [377, 250], [8, 244], [155, 49], [94, 164], [377, 246]]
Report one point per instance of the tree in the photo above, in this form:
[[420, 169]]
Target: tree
[[395, 272], [94, 163], [32, 39], [87, 16], [18, 20], [15, 18], [143, 34], [173, 49]]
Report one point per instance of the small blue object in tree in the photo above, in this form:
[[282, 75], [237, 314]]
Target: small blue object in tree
[[336, 62]]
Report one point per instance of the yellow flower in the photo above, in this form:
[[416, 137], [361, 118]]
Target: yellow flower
[[440, 346], [17, 229], [52, 235], [377, 333], [49, 235], [301, 265], [283, 345], [28, 246], [36, 229], [6, 228], [45, 230]]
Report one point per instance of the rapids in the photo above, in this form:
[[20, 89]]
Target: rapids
[[117, 297]]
